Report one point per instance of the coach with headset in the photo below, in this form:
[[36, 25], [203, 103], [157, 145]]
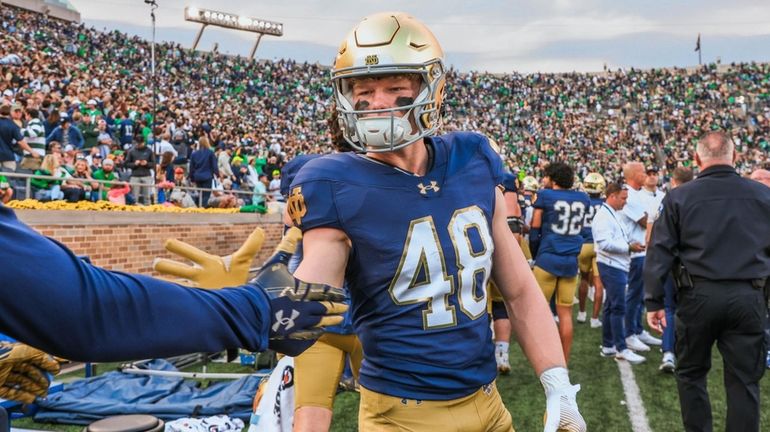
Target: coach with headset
[[714, 234]]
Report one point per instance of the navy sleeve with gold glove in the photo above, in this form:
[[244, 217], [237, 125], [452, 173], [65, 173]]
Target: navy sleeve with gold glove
[[23, 372], [298, 310]]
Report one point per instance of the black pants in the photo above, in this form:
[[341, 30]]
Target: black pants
[[733, 315]]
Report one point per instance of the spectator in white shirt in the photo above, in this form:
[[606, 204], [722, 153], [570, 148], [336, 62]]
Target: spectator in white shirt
[[613, 249], [634, 216]]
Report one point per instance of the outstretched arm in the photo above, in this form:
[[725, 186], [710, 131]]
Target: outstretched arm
[[55, 302]]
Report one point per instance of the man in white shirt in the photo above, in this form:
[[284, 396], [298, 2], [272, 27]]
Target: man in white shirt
[[613, 249], [634, 218]]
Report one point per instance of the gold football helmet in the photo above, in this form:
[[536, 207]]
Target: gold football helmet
[[530, 184], [385, 44], [594, 183]]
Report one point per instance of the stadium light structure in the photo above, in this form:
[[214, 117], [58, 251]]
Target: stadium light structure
[[153, 5], [208, 17]]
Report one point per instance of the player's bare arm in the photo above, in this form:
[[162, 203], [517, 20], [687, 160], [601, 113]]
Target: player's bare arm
[[527, 307], [325, 256]]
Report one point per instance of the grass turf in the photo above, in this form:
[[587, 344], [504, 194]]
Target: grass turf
[[601, 399]]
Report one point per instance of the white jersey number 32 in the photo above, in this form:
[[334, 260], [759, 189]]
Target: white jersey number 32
[[423, 255]]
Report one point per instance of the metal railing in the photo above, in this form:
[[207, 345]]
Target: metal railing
[[102, 184]]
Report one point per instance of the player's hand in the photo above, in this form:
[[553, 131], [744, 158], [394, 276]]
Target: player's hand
[[657, 320], [211, 271], [561, 406], [23, 372], [298, 310]]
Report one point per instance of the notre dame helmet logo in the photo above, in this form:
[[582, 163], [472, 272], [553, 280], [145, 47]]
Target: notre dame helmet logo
[[372, 60], [296, 206]]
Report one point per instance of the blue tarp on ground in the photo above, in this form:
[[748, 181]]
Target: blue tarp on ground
[[115, 393]]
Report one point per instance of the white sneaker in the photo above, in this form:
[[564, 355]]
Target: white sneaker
[[607, 351], [503, 366], [581, 317], [649, 339], [630, 357], [595, 323], [635, 344], [669, 363]]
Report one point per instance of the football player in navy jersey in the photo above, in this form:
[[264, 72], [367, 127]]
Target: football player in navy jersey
[[526, 202], [594, 184], [555, 242], [416, 224]]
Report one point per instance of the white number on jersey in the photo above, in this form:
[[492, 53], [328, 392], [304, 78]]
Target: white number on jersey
[[590, 214], [423, 255], [570, 217]]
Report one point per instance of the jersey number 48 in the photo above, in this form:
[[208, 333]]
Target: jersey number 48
[[424, 255]]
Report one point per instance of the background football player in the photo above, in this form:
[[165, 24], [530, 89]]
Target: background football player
[[527, 198], [594, 185], [414, 226], [556, 242]]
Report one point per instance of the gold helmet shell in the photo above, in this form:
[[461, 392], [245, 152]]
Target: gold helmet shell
[[530, 184], [389, 43], [594, 183]]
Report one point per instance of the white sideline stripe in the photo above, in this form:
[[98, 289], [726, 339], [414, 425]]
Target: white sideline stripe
[[636, 412]]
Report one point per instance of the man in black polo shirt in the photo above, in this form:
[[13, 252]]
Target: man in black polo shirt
[[10, 137], [714, 233]]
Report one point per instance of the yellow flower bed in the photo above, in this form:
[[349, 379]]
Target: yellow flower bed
[[30, 204]]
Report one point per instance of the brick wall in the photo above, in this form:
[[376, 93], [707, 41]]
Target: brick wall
[[130, 241]]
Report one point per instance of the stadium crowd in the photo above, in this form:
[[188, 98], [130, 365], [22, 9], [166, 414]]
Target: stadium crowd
[[88, 91]]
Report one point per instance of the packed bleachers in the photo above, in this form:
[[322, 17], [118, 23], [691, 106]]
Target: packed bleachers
[[261, 114]]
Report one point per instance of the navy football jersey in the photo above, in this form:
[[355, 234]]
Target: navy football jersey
[[126, 131], [290, 170], [420, 260], [587, 233], [561, 223]]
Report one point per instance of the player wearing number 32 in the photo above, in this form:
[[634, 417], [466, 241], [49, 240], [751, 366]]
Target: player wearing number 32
[[556, 242], [416, 224]]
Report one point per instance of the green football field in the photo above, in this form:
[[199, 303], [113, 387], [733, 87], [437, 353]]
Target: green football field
[[602, 400]]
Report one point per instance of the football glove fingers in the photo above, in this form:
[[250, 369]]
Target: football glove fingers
[[303, 291], [34, 383], [19, 393], [211, 271], [23, 372], [562, 412]]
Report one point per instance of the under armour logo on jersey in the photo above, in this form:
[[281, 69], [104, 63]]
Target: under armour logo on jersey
[[432, 186], [286, 322]]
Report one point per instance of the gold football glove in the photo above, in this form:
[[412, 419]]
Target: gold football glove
[[23, 372], [215, 272]]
